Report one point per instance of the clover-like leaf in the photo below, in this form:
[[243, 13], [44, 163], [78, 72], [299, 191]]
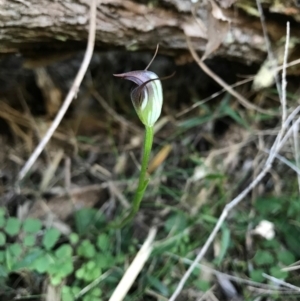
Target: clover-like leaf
[[50, 238]]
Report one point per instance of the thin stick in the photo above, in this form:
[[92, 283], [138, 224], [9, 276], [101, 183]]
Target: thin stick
[[286, 162], [290, 64], [201, 102], [281, 282], [222, 83], [297, 152], [284, 82], [135, 268], [228, 276], [72, 93], [93, 284], [281, 133]]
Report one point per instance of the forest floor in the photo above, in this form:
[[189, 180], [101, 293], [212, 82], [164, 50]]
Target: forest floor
[[54, 239]]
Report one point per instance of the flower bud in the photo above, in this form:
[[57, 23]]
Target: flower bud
[[147, 97]]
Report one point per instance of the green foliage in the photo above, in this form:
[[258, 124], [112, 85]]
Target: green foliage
[[50, 238], [86, 249], [2, 239], [262, 258], [32, 225], [272, 255], [83, 255], [224, 245], [91, 260], [12, 226], [257, 275], [208, 114]]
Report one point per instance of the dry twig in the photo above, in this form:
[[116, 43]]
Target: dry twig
[[284, 82], [223, 84], [135, 268], [71, 95]]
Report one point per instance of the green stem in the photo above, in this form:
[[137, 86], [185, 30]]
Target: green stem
[[143, 181]]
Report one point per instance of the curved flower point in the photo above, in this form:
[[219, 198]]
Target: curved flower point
[[147, 97]]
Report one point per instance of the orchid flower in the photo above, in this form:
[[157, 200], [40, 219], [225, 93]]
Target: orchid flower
[[147, 99]]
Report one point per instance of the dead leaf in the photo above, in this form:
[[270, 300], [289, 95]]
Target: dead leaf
[[218, 26], [159, 158], [217, 12], [61, 206], [265, 77], [192, 28], [227, 287], [52, 95], [226, 3], [49, 173]]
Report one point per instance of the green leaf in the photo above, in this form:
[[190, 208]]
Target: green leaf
[[96, 292], [66, 294], [13, 226], [104, 261], [158, 285], [86, 249], [272, 244], [8, 259], [29, 240], [55, 280], [202, 285], [42, 263], [2, 256], [87, 298], [290, 233], [28, 260], [64, 251], [75, 290], [286, 257], [61, 268], [66, 289], [15, 249], [2, 239], [103, 242], [2, 221], [91, 275], [263, 258], [79, 274], [67, 268], [176, 222], [74, 238], [2, 211], [256, 275], [227, 110], [50, 238], [3, 272], [196, 121], [224, 245], [91, 265], [268, 206], [84, 218], [278, 273], [32, 225]]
